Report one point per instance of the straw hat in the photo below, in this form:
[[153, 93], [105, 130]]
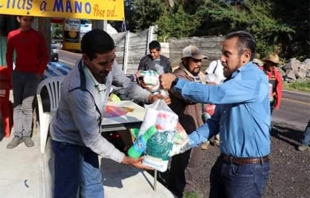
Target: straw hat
[[272, 58]]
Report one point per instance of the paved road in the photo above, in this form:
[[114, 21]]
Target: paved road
[[68, 58], [294, 109]]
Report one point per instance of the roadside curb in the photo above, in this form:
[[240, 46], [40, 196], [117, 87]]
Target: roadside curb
[[298, 92]]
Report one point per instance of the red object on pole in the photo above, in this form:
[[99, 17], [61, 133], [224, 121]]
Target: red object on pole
[[57, 20], [5, 104]]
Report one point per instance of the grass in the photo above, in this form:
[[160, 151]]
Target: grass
[[192, 195], [298, 85]]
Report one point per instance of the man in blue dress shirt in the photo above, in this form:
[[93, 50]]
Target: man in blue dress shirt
[[242, 117]]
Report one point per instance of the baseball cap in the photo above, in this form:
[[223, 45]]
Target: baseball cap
[[193, 52]]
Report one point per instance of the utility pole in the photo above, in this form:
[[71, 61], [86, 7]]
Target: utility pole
[[44, 27]]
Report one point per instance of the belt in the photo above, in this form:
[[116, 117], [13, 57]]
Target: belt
[[242, 161]]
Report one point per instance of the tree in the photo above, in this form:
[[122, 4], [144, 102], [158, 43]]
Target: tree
[[176, 23], [296, 14], [280, 26], [57, 31], [254, 16], [146, 13]]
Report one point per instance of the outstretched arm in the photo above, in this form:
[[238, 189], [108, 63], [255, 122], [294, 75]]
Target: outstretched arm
[[230, 92]]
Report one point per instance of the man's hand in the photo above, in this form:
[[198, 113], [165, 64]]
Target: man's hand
[[138, 74], [139, 79], [166, 80], [154, 97], [135, 163]]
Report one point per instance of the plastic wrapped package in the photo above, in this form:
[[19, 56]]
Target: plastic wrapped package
[[160, 136], [150, 78]]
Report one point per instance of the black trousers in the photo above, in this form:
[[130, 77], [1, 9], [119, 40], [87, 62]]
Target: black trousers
[[182, 171]]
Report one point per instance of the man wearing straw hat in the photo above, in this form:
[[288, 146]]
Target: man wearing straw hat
[[275, 80]]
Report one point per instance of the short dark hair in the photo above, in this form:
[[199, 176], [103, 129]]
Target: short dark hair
[[20, 16], [96, 42], [245, 42], [154, 45]]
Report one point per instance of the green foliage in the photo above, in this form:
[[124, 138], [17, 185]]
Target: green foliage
[[176, 23], [191, 194], [300, 85], [253, 15], [296, 15], [57, 31], [146, 13], [280, 26]]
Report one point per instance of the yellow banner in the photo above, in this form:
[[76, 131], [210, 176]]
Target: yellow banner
[[81, 9]]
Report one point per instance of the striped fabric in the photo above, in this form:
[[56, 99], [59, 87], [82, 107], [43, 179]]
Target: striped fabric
[[56, 69]]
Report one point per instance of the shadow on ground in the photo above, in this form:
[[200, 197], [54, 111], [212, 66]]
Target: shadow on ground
[[290, 169], [288, 134]]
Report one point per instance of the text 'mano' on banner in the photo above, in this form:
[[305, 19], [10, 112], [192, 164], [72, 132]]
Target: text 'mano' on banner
[[80, 9]]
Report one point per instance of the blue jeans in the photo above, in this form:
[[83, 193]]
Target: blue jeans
[[306, 140], [77, 172], [233, 181], [272, 106]]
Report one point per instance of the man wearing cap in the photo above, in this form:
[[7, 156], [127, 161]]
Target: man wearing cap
[[184, 166], [275, 80]]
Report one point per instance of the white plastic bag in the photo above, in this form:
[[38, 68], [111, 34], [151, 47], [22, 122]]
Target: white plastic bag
[[160, 146]]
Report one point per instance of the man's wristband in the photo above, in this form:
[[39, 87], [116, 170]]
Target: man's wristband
[[174, 82]]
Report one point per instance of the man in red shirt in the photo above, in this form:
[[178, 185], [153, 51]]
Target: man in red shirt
[[31, 61], [275, 80]]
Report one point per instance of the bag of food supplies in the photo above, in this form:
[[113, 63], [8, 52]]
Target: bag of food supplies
[[149, 79], [158, 136]]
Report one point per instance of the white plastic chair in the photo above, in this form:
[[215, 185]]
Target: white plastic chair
[[52, 85]]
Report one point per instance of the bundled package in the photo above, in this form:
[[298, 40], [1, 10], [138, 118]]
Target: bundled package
[[150, 79], [158, 136]]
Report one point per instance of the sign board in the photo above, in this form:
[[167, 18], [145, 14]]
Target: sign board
[[71, 34], [81, 9], [72, 30]]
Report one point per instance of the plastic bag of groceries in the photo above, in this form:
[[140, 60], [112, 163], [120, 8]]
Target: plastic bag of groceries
[[150, 80], [159, 137]]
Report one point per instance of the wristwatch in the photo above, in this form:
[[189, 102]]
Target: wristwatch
[[174, 82]]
